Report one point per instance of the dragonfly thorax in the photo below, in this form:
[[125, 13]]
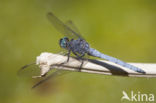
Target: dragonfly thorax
[[64, 42], [79, 46]]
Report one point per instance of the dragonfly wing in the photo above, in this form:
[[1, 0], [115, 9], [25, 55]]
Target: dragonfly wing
[[70, 24], [58, 72], [61, 27], [29, 70]]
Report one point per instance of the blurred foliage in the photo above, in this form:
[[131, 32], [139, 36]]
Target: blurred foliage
[[125, 29]]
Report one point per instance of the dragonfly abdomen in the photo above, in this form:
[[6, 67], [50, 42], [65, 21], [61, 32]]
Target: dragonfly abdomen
[[95, 53]]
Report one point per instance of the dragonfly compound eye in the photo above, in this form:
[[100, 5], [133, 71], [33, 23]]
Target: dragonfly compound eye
[[63, 42]]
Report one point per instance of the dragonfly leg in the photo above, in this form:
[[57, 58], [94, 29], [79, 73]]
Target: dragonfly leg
[[81, 66], [80, 57], [68, 55]]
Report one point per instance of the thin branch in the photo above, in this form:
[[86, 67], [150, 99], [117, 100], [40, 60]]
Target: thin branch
[[47, 61]]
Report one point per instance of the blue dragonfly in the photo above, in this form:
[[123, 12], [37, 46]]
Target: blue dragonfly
[[75, 43]]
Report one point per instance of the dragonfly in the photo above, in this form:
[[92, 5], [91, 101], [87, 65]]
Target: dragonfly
[[74, 43]]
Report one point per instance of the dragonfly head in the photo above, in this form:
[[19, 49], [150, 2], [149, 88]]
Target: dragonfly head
[[64, 42]]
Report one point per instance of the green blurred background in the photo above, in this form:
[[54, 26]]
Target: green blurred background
[[125, 29]]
